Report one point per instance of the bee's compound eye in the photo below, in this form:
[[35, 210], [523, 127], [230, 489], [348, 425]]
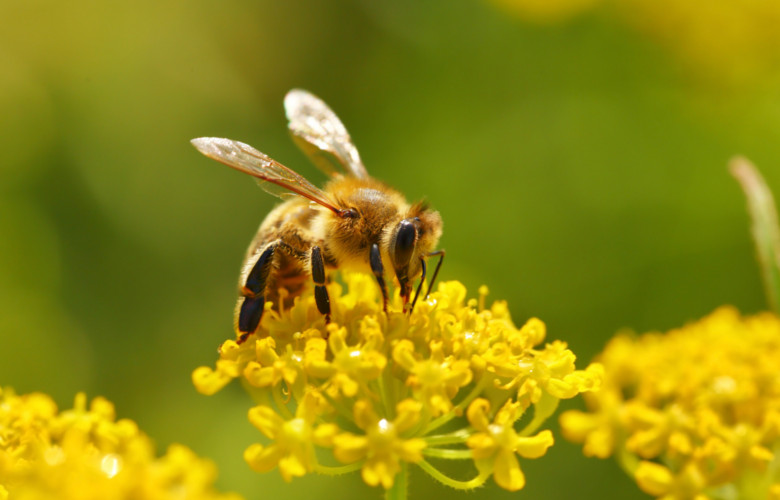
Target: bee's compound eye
[[405, 241], [349, 213]]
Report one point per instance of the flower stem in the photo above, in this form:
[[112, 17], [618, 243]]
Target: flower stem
[[448, 454], [766, 233], [400, 487], [543, 409], [458, 409], [477, 481], [337, 471], [459, 436]]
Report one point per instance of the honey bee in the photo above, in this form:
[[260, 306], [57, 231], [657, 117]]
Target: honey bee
[[355, 222]]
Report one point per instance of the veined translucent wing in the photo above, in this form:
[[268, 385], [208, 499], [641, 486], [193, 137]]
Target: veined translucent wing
[[251, 161], [319, 133]]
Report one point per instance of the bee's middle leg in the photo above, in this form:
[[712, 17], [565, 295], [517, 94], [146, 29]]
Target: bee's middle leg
[[318, 275]]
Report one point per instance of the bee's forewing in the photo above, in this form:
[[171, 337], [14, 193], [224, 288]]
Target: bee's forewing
[[251, 161], [319, 133]]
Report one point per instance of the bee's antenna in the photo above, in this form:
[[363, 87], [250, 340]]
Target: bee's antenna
[[440, 253]]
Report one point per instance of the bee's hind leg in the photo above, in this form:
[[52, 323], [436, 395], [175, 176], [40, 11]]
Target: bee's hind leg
[[318, 275], [252, 303], [375, 259]]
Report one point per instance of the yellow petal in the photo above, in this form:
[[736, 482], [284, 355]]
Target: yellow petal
[[477, 414], [266, 419], [208, 381], [482, 445], [378, 471], [411, 450], [653, 479], [349, 448], [536, 446], [261, 458], [507, 473], [291, 466]]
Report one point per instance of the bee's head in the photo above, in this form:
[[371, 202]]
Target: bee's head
[[413, 238]]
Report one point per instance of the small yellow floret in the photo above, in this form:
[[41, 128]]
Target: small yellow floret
[[383, 446], [495, 444]]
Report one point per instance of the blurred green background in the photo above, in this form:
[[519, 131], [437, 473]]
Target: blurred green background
[[576, 150]]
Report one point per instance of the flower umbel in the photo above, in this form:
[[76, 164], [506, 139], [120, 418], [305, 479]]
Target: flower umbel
[[693, 413], [85, 453], [378, 390]]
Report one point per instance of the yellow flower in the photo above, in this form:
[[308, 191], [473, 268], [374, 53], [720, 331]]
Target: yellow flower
[[293, 440], [376, 389], [495, 444], [435, 379], [350, 368], [382, 446], [85, 453], [692, 411]]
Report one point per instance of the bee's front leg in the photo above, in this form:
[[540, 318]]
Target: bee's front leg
[[375, 259], [318, 275]]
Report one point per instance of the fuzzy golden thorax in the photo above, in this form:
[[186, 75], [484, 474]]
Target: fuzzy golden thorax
[[378, 213]]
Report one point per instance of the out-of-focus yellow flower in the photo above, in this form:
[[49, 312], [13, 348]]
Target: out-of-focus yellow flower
[[293, 440], [693, 412], [85, 453], [733, 42], [546, 11], [376, 389]]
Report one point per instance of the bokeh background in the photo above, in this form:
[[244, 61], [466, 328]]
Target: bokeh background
[[576, 149]]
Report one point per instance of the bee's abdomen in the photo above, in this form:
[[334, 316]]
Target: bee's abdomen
[[274, 266], [292, 276]]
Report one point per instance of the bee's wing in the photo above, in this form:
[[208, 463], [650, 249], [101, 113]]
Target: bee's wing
[[319, 133], [251, 161]]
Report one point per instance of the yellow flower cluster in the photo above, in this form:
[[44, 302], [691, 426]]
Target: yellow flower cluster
[[693, 413], [86, 454], [378, 389]]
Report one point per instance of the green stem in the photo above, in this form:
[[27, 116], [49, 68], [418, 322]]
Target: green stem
[[458, 409], [627, 461], [448, 454], [459, 436], [766, 233], [337, 471], [400, 488], [339, 407], [543, 409], [281, 403], [479, 480]]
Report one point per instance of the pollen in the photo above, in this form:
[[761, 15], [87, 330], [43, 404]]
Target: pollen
[[374, 392], [85, 452], [691, 412]]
